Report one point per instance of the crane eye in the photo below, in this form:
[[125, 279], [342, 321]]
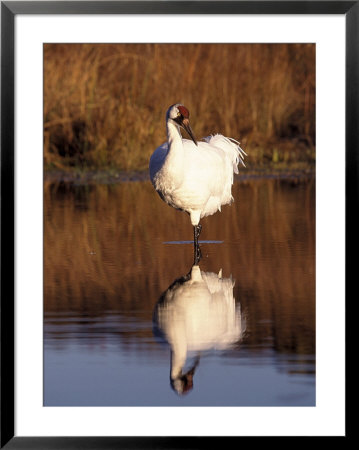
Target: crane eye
[[178, 119]]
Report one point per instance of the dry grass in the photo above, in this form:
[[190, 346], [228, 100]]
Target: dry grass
[[104, 104]]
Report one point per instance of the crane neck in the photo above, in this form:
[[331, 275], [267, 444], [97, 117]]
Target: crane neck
[[174, 137], [174, 165]]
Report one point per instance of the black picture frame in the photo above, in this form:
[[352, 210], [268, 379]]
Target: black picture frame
[[9, 9]]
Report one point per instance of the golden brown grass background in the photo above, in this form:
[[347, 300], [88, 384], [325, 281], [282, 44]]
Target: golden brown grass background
[[105, 104]]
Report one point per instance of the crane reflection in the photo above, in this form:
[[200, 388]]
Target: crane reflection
[[197, 313]]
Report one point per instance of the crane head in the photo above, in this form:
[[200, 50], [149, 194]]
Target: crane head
[[180, 115]]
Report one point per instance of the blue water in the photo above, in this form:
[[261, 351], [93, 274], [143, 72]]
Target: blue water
[[112, 378]]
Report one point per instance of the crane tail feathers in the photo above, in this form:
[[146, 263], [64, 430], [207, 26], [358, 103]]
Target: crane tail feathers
[[233, 149], [241, 154]]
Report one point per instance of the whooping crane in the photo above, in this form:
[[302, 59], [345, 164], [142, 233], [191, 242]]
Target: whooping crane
[[197, 313], [192, 176]]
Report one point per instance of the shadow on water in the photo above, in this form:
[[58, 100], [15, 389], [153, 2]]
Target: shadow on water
[[108, 255]]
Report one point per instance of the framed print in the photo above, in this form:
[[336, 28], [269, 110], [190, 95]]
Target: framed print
[[160, 288]]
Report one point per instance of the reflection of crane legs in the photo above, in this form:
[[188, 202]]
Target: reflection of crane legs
[[197, 251]]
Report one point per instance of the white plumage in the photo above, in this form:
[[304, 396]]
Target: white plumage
[[192, 176], [197, 313]]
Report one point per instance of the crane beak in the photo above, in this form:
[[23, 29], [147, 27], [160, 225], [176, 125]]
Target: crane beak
[[186, 126]]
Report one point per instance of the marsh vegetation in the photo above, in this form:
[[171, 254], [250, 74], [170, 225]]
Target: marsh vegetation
[[104, 104]]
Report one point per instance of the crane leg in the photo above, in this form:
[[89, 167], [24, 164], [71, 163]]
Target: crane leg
[[197, 251]]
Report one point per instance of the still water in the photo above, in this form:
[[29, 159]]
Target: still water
[[129, 322]]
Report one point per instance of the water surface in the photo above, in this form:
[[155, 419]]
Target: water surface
[[129, 322]]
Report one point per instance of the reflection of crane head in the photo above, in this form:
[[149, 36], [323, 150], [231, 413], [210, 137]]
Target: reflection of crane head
[[183, 383]]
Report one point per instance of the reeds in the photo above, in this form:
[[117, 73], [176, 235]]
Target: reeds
[[104, 104]]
